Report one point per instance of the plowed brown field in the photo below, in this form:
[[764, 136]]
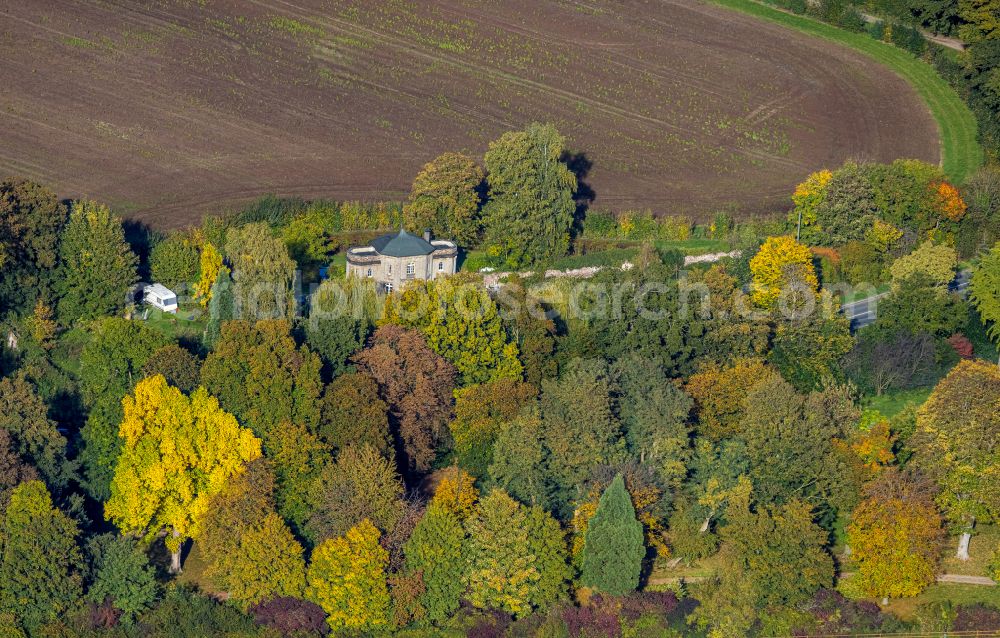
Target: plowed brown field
[[170, 109]]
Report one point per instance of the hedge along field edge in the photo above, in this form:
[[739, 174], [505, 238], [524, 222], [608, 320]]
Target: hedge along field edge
[[961, 153]]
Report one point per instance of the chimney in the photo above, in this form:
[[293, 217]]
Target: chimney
[[427, 235]]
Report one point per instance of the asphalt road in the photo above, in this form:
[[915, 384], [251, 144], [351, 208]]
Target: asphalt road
[[864, 311]]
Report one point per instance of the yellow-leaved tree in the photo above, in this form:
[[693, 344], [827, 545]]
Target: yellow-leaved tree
[[780, 264], [807, 197], [177, 453], [347, 579], [211, 265], [461, 323], [895, 535], [455, 492]]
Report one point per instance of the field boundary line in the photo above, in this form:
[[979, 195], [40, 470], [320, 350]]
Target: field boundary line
[[961, 153]]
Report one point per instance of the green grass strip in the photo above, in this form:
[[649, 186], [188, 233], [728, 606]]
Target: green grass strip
[[961, 153]]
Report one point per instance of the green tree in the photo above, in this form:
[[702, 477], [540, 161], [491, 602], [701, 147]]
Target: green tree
[[114, 356], [40, 561], [251, 553], [655, 416], [347, 579], [179, 367], [808, 350], [936, 261], [341, 316], [351, 412], [435, 550], [445, 198], [120, 573], [175, 262], [917, 305], [221, 306], [112, 362], [262, 377], [500, 572], [361, 485], [480, 412], [547, 543], [98, 269], [985, 290], [613, 549], [580, 429], [31, 218], [178, 453], [530, 206], [34, 437], [308, 239], [849, 206], [779, 423], [263, 273], [518, 460], [955, 444], [770, 559], [462, 324]]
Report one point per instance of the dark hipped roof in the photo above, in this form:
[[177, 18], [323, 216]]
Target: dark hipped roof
[[402, 244]]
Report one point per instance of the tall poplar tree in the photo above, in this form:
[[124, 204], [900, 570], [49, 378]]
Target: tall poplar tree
[[98, 269], [530, 208]]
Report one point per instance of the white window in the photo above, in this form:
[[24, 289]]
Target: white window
[[388, 287], [440, 266], [390, 269], [410, 269], [369, 272]]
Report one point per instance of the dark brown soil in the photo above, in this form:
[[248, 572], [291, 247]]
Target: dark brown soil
[[171, 109]]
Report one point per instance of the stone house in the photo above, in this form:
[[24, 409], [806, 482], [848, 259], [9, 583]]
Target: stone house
[[393, 259]]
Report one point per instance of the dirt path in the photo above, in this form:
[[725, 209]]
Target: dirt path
[[943, 578]]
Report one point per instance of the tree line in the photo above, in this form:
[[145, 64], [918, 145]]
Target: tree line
[[450, 461]]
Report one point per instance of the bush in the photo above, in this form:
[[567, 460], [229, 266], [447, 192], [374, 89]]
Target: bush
[[977, 617], [851, 20], [876, 30], [834, 614], [600, 224], [270, 209], [675, 228], [289, 615], [909, 39]]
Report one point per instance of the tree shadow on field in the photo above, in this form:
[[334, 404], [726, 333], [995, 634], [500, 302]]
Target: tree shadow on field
[[140, 238], [579, 164]]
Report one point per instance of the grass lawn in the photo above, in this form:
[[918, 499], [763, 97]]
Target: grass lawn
[[694, 246], [193, 570], [892, 403], [957, 594], [474, 260], [985, 541], [189, 322], [961, 154]]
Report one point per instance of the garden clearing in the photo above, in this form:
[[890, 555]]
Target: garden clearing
[[171, 109]]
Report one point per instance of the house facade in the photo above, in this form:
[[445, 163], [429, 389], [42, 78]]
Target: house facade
[[396, 258]]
